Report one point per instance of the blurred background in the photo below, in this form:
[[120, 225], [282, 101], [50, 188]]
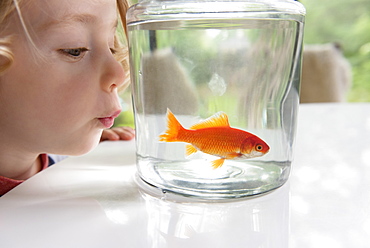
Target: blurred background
[[347, 24], [336, 58]]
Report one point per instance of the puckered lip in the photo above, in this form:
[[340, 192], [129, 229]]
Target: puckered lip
[[107, 120], [112, 114]]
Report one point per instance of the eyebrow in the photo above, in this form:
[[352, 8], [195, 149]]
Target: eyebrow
[[72, 18]]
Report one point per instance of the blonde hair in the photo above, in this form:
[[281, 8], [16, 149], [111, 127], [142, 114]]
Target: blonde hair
[[7, 7], [122, 55]]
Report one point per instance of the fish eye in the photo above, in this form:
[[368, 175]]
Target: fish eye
[[259, 147]]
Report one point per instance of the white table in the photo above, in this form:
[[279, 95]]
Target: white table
[[94, 200]]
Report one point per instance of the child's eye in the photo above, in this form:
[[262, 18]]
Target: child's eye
[[75, 53]]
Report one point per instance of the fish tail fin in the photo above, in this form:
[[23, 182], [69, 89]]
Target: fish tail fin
[[173, 128]]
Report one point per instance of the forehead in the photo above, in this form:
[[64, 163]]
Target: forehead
[[45, 13]]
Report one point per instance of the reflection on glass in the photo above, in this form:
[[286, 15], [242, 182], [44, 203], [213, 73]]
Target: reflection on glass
[[257, 222]]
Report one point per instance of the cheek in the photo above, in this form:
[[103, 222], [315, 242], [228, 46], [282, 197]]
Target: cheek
[[58, 102], [71, 93]]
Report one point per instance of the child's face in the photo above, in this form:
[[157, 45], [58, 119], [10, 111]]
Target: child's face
[[59, 98]]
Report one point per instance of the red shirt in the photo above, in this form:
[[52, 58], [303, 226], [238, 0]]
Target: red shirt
[[7, 184]]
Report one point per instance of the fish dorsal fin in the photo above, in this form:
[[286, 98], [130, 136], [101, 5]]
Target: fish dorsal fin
[[219, 119]]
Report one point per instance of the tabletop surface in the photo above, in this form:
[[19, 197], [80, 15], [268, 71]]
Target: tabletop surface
[[96, 200]]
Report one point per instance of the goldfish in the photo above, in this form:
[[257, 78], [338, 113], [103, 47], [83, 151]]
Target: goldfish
[[215, 136]]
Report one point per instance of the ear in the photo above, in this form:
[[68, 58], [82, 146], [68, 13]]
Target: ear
[[6, 57]]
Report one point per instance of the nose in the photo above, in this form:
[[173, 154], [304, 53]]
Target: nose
[[113, 75]]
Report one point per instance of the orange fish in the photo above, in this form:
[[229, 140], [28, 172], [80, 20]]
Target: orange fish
[[215, 136]]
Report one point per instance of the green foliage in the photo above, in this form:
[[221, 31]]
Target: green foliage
[[126, 118], [346, 22]]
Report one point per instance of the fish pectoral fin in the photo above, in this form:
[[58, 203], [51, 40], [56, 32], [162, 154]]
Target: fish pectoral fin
[[217, 163], [190, 149]]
